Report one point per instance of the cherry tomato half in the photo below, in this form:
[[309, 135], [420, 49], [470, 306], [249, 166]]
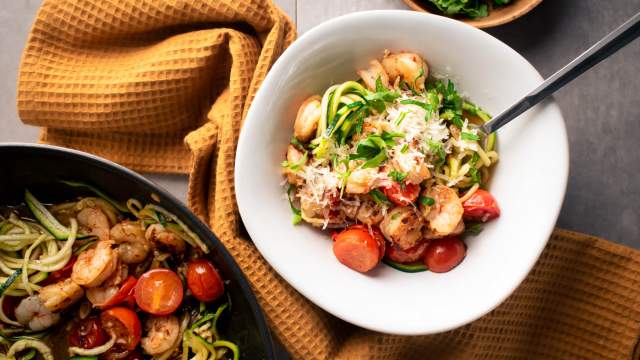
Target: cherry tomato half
[[123, 324], [481, 206], [402, 194], [409, 255], [159, 291], [88, 333], [61, 274], [123, 295], [203, 280], [444, 254], [357, 248]]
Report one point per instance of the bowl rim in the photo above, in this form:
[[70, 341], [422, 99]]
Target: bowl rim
[[290, 54], [201, 227]]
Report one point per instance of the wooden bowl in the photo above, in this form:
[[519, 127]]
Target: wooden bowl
[[497, 16]]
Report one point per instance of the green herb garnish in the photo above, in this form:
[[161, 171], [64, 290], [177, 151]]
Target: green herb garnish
[[379, 197], [297, 215], [435, 147], [401, 118], [295, 166], [426, 201], [469, 136], [397, 176], [373, 149], [473, 228], [404, 148]]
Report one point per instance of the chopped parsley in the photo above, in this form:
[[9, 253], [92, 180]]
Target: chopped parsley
[[373, 149], [473, 228], [397, 176], [426, 201], [379, 197], [379, 86], [435, 147], [476, 176], [469, 136], [297, 214]]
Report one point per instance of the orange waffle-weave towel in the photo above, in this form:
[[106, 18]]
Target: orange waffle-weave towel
[[163, 85]]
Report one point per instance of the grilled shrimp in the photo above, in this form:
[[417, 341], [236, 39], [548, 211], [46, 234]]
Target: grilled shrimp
[[101, 294], [164, 239], [32, 312], [162, 333], [307, 119], [429, 234], [295, 161], [369, 212], [360, 181], [371, 75], [402, 226], [416, 170], [95, 265], [410, 66], [444, 216], [96, 221], [59, 296], [133, 247]]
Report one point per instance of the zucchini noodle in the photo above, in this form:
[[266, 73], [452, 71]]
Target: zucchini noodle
[[73, 350]]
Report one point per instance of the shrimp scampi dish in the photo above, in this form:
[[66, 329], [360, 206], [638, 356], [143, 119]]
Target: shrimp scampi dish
[[93, 278], [396, 163]]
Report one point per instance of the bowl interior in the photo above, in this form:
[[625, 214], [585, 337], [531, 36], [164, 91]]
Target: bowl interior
[[39, 168], [529, 180]]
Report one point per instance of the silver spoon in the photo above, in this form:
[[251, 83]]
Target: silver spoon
[[604, 48]]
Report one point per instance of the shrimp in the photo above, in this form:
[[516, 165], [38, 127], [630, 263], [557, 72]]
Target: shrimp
[[369, 212], [164, 239], [402, 226], [361, 180], [97, 222], [295, 161], [32, 312], [307, 119], [59, 296], [444, 216], [162, 334], [98, 296], [429, 234], [133, 247], [95, 265], [410, 66], [416, 170], [370, 76]]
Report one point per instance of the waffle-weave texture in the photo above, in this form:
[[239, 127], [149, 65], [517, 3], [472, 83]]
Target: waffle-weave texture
[[163, 85]]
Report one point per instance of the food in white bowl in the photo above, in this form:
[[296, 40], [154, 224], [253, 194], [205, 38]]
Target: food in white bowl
[[528, 182], [398, 161]]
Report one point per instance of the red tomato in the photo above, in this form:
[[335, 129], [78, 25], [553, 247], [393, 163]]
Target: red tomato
[[61, 274], [124, 325], [481, 206], [9, 305], [88, 333], [402, 194], [159, 291], [358, 249], [444, 254], [409, 255], [124, 294], [204, 281]]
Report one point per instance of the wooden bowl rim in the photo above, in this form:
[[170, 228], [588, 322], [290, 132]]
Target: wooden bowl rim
[[485, 22]]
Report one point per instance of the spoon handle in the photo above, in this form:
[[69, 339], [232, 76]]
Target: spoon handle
[[604, 48]]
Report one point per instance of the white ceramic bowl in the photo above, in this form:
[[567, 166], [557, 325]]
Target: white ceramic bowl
[[529, 181]]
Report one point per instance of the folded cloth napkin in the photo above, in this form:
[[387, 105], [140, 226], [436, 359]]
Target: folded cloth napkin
[[163, 85]]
